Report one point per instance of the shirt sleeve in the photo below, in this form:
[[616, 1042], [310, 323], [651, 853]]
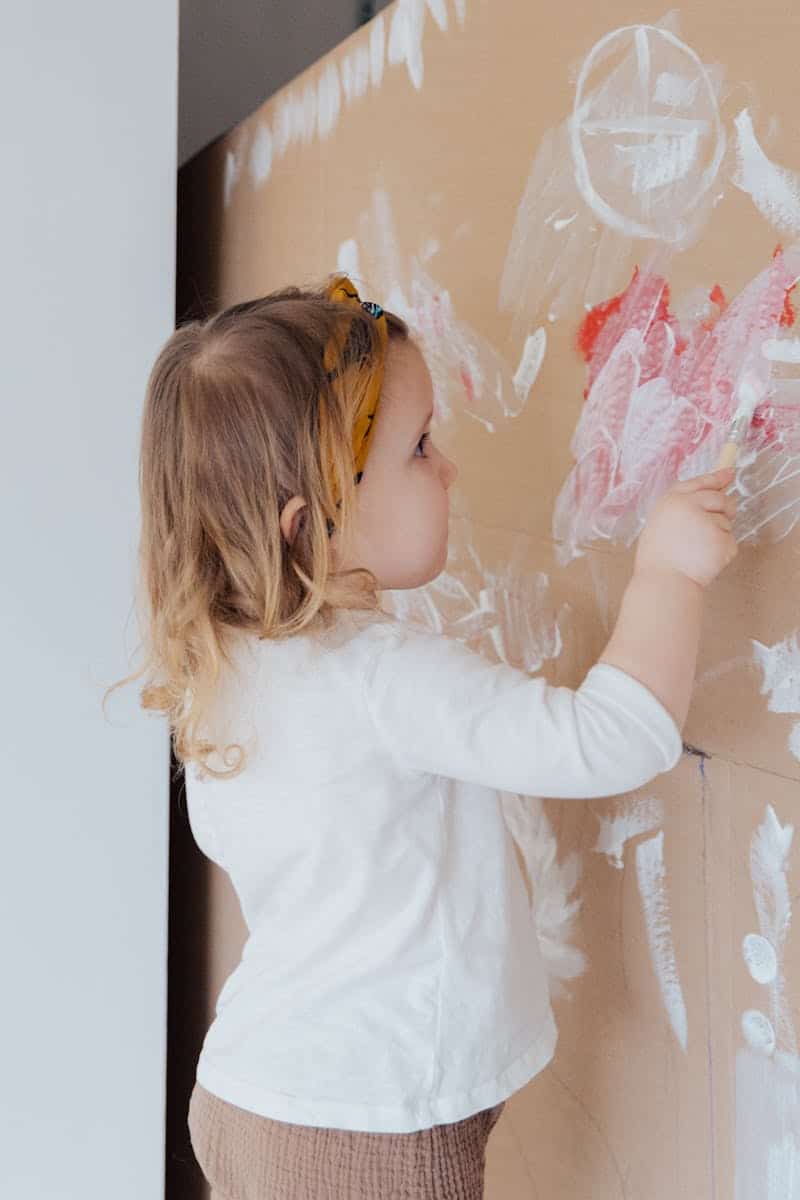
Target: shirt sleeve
[[440, 707]]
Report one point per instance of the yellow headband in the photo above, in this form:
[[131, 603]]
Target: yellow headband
[[341, 288]]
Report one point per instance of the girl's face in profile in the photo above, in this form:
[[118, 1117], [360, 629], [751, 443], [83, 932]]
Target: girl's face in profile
[[400, 526]]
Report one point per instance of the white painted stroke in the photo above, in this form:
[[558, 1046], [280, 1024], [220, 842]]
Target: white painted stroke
[[781, 667], [675, 90], [663, 160], [329, 100], [651, 877], [554, 905], [630, 819], [769, 853], [767, 1126], [406, 30], [261, 155], [774, 190], [530, 364], [785, 350]]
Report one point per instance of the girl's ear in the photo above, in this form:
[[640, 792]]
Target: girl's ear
[[291, 518]]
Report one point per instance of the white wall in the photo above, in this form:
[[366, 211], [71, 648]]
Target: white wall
[[89, 93]]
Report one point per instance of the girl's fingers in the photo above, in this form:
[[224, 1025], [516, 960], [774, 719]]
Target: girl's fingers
[[715, 479], [717, 502], [722, 522]]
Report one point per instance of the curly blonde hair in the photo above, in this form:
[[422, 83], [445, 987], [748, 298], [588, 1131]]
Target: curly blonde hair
[[230, 431]]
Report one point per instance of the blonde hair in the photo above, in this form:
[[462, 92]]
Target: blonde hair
[[230, 431]]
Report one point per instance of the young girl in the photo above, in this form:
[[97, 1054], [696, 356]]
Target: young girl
[[391, 995]]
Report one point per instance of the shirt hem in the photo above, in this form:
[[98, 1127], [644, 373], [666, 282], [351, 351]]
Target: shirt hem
[[408, 1117]]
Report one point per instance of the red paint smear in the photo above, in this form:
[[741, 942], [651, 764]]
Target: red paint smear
[[594, 322], [788, 315], [692, 377], [466, 379], [717, 296]]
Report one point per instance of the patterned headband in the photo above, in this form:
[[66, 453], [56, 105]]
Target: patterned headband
[[356, 353]]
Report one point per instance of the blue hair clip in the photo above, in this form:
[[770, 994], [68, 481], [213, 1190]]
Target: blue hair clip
[[373, 308]]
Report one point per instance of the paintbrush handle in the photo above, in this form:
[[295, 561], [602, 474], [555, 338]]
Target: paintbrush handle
[[728, 455]]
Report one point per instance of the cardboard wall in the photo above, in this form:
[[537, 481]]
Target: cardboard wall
[[432, 156]]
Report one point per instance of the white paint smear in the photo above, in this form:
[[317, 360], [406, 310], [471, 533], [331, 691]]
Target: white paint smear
[[406, 30], [660, 161], [509, 610], [769, 854], [774, 190], [631, 818], [527, 631], [261, 155], [430, 248], [781, 666], [377, 49], [355, 72], [757, 1031], [230, 177], [712, 674], [347, 259], [675, 90], [651, 877], [530, 363], [767, 1126], [760, 957], [468, 373], [328, 100], [554, 906], [786, 350]]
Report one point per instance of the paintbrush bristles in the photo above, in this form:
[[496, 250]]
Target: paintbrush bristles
[[748, 402]]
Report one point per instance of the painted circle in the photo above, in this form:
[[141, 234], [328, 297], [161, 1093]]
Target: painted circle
[[645, 150], [760, 957]]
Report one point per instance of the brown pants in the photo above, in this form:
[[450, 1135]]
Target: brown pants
[[245, 1156]]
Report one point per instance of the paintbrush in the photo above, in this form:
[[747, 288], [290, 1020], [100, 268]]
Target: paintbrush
[[749, 397]]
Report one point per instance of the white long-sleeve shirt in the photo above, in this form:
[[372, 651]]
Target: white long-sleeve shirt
[[391, 979]]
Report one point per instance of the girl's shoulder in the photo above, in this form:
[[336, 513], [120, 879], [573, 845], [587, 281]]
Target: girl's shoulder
[[373, 628]]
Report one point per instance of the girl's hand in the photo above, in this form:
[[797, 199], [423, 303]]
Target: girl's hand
[[691, 529]]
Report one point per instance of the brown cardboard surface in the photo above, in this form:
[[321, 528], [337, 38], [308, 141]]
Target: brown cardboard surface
[[428, 182]]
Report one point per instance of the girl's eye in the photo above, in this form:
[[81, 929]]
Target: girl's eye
[[421, 441]]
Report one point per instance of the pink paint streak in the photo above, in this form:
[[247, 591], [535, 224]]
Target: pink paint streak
[[659, 398]]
